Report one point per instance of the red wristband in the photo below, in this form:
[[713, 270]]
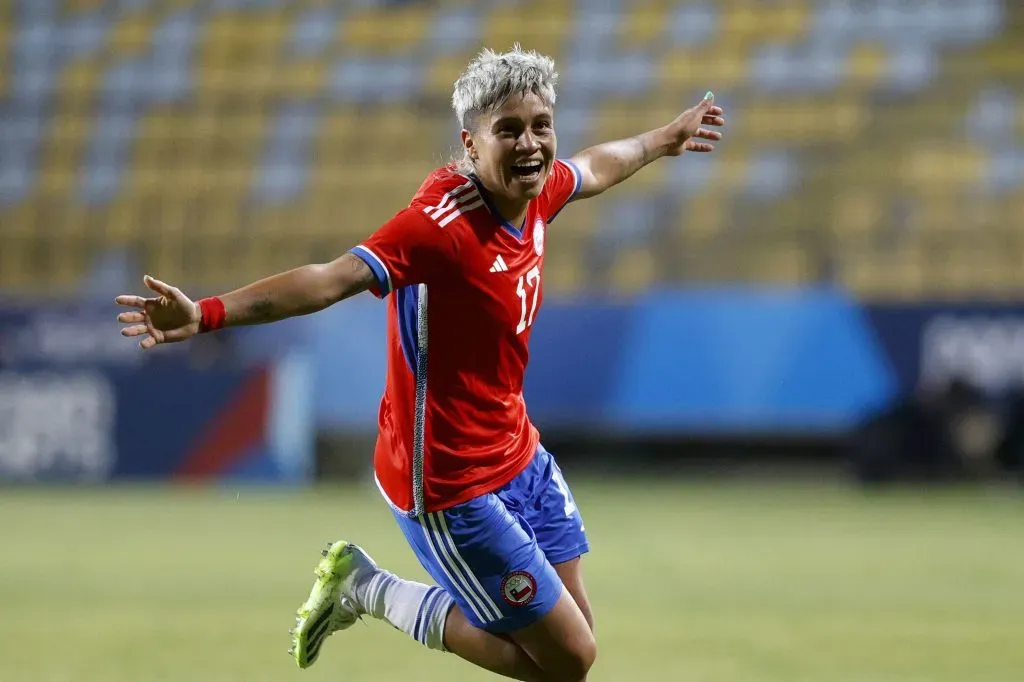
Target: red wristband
[[213, 314]]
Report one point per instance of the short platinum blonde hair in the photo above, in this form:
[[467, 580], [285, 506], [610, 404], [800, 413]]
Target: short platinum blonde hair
[[492, 78]]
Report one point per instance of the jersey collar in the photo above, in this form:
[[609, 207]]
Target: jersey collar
[[486, 196]]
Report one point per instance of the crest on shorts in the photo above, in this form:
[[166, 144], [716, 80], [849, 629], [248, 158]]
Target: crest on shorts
[[538, 237], [518, 588]]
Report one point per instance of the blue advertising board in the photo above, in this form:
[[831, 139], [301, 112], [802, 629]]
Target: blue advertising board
[[79, 403], [700, 361]]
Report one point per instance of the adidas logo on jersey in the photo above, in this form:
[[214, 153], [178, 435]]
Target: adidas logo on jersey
[[499, 265]]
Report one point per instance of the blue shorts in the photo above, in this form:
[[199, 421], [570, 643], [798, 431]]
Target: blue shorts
[[494, 553]]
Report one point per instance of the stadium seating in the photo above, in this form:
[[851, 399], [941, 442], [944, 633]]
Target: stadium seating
[[876, 145]]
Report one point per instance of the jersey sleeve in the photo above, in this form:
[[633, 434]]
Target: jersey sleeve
[[561, 186], [408, 249]]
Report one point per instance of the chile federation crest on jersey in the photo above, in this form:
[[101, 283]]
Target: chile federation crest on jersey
[[538, 237], [518, 588]]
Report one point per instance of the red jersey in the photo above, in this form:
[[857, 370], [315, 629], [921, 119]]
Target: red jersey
[[463, 287]]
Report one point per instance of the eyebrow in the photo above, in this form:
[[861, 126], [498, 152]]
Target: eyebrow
[[516, 119]]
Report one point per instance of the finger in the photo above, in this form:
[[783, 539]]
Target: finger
[[179, 334], [709, 100], [134, 301], [699, 146], [135, 330], [714, 111], [131, 317], [708, 134], [157, 336], [713, 120], [147, 343], [160, 287]]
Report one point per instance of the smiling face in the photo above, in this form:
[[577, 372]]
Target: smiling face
[[512, 148]]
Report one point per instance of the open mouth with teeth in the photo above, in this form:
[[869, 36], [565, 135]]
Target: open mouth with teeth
[[527, 170]]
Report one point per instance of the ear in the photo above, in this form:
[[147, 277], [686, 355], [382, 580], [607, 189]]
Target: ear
[[467, 144]]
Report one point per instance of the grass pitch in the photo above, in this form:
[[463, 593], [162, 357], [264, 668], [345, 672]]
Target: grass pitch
[[690, 582]]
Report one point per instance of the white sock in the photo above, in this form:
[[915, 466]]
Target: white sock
[[418, 610]]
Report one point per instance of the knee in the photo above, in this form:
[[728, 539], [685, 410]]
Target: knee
[[586, 656], [576, 662]]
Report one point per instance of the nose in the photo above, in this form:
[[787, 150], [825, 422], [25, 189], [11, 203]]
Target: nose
[[528, 142]]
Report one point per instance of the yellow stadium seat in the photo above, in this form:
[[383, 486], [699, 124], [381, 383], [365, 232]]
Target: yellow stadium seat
[[800, 121], [16, 272], [756, 21], [505, 26], [392, 30], [778, 263], [789, 20], [882, 275], [79, 83], [5, 40], [643, 24], [866, 64], [633, 270], [443, 72], [683, 69], [78, 6], [126, 220], [564, 273], [303, 79], [948, 165], [856, 216], [240, 54], [1002, 60], [701, 221], [132, 33]]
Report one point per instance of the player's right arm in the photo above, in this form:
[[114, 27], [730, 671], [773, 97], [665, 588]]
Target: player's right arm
[[171, 316], [407, 249]]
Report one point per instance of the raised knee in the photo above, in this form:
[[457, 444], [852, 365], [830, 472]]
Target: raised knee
[[576, 663], [586, 657]]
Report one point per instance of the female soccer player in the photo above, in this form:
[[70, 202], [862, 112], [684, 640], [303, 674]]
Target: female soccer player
[[482, 504]]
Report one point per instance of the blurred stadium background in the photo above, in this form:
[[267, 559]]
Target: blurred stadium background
[[831, 301]]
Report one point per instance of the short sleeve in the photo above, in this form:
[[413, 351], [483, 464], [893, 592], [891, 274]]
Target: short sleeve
[[408, 249], [562, 185]]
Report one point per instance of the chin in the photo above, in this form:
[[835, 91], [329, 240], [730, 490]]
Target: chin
[[534, 191]]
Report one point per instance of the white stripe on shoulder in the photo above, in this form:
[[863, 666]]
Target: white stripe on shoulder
[[449, 195], [464, 209]]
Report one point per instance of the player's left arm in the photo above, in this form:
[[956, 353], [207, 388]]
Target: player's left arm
[[606, 165]]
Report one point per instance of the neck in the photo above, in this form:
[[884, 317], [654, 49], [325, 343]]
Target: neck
[[510, 210]]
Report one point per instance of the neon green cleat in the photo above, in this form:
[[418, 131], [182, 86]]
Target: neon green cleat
[[330, 606]]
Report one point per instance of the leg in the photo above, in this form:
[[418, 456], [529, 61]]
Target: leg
[[561, 642], [497, 653], [487, 557], [571, 575], [512, 614], [555, 519], [349, 584]]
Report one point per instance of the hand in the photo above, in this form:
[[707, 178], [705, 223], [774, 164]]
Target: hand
[[687, 127], [167, 318]]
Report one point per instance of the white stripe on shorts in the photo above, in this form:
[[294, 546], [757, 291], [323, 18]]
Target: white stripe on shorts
[[454, 566]]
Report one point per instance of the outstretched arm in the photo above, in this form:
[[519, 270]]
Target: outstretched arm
[[606, 165], [171, 316], [301, 291]]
